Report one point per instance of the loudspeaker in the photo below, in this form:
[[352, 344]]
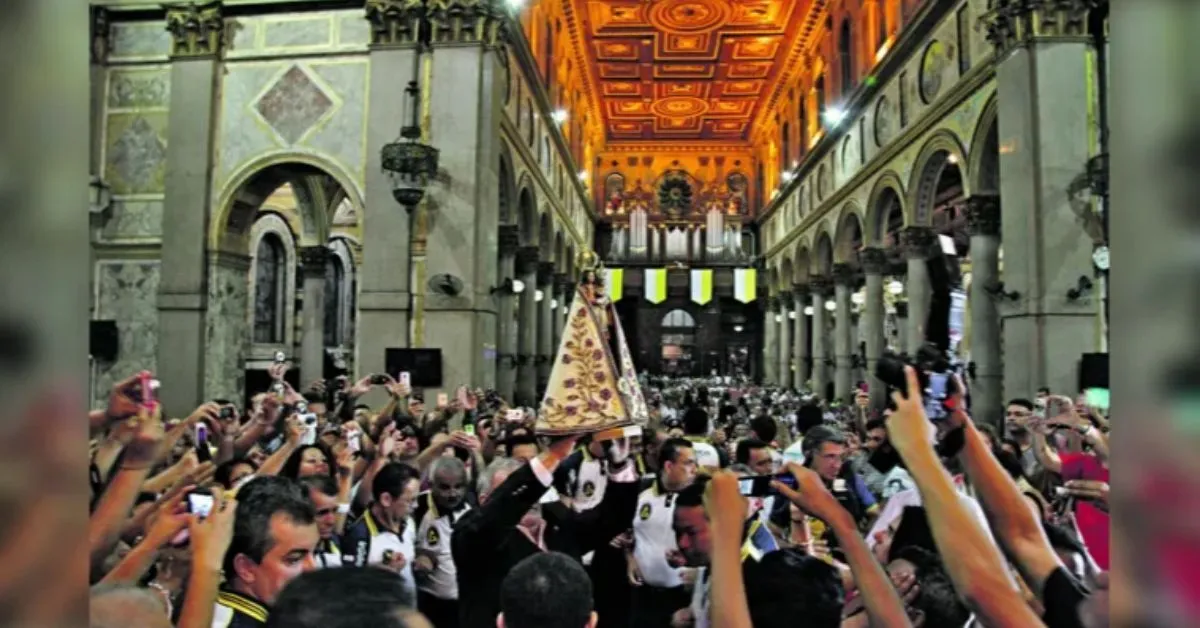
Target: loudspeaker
[[424, 366], [103, 340], [1093, 371]]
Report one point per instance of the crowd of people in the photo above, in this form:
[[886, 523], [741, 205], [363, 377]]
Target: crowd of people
[[737, 505]]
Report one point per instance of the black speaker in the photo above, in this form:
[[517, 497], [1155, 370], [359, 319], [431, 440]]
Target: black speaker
[[424, 366], [1093, 371], [103, 340]]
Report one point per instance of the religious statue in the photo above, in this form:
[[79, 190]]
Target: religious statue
[[593, 385]]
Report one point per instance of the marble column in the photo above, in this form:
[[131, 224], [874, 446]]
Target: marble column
[[464, 213], [1044, 70], [843, 340], [561, 296], [546, 324], [987, 393], [800, 341], [384, 297], [527, 261], [770, 343], [506, 305], [312, 335], [820, 287], [874, 264], [917, 243], [183, 289], [785, 343]]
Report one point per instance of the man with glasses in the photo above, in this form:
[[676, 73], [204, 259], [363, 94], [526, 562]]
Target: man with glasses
[[385, 535]]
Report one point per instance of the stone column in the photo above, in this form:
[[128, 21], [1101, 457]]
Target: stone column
[[183, 290], [820, 371], [843, 277], [800, 300], [546, 323], [506, 358], [464, 215], [770, 344], [1043, 70], [987, 393], [384, 297], [527, 260], [561, 294], [917, 242], [312, 336], [785, 342], [874, 264]]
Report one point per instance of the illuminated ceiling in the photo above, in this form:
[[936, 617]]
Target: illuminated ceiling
[[687, 69]]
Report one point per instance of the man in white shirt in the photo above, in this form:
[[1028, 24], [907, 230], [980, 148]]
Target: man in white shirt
[[695, 429], [658, 584], [435, 514]]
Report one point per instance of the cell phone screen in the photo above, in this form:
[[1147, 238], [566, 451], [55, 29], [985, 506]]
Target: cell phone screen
[[469, 429], [200, 503], [1097, 398], [443, 400], [405, 378]]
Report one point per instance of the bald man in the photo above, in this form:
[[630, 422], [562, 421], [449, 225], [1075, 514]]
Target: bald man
[[123, 605]]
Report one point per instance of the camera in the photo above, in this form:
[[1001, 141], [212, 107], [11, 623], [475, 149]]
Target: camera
[[379, 379], [934, 372], [226, 413]]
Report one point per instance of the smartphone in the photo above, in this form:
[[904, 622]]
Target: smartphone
[[515, 416], [203, 451], [146, 387], [200, 503], [280, 357], [309, 420], [406, 379], [379, 379], [443, 400], [354, 442], [1097, 398], [760, 485]]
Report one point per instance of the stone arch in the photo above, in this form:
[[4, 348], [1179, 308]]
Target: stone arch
[[848, 234], [802, 264], [786, 274], [545, 239], [271, 223], [942, 148], [821, 263], [249, 187], [983, 165], [887, 192], [527, 218], [508, 185]]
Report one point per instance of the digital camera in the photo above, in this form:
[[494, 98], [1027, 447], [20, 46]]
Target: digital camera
[[934, 372]]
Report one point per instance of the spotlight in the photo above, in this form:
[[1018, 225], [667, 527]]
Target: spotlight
[[834, 115], [559, 116], [830, 305], [896, 287]]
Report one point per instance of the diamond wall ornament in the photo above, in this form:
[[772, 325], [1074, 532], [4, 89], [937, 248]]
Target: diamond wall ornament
[[294, 105]]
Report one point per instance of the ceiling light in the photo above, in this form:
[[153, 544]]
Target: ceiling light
[[895, 287], [830, 305], [559, 116], [518, 286], [951, 158], [515, 4], [834, 115], [788, 176], [808, 310], [538, 296], [778, 318], [792, 314], [738, 328], [554, 304], [583, 175], [858, 298]]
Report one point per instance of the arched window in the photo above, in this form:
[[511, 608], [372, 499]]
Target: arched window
[[269, 277], [846, 57], [678, 319], [819, 87], [335, 281], [785, 158]]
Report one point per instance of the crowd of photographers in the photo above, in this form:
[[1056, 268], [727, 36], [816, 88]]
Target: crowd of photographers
[[736, 506]]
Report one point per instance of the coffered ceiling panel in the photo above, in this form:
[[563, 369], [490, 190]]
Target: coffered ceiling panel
[[686, 69]]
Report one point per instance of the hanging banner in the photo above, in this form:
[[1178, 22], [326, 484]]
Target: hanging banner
[[702, 286], [745, 284], [656, 285], [613, 280]]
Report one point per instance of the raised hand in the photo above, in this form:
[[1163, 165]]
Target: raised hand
[[143, 448], [211, 536], [121, 402], [810, 494]]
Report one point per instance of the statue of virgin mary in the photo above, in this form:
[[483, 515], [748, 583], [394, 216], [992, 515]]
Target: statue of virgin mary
[[593, 384]]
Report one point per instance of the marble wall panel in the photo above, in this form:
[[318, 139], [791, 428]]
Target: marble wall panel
[[140, 88], [343, 136], [134, 220], [329, 32], [227, 331], [136, 152], [242, 136], [298, 33], [139, 41], [127, 292]]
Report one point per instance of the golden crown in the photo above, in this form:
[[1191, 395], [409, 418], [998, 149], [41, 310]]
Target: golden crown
[[588, 260]]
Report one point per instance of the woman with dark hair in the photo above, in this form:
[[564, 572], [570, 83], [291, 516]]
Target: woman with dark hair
[[230, 472], [308, 460]]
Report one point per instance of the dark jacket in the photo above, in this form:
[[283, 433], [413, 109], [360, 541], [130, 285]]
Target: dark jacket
[[487, 544]]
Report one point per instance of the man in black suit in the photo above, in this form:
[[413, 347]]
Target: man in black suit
[[510, 525]]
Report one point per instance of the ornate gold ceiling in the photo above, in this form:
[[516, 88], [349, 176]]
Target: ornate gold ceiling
[[686, 69]]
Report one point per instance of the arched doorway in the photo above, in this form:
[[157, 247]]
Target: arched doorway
[[678, 343], [943, 197], [282, 279]]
